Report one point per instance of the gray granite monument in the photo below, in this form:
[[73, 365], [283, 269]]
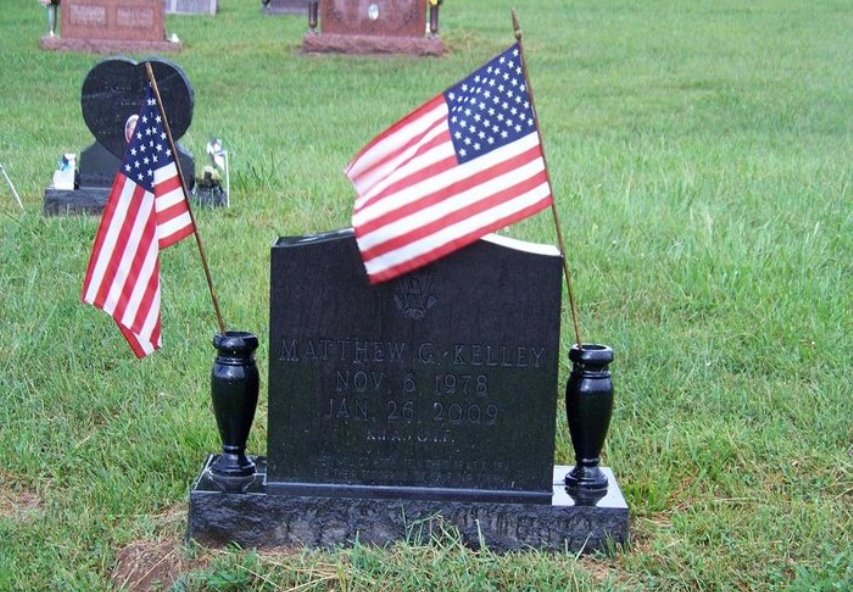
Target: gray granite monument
[[210, 7]]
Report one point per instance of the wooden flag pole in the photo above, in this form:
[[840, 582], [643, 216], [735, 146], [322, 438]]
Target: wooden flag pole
[[575, 317], [174, 150]]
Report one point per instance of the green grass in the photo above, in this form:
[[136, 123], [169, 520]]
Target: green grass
[[700, 154]]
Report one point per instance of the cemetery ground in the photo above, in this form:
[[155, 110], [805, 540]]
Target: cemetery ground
[[700, 155]]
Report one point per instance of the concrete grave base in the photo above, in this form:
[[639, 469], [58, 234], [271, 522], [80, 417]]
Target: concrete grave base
[[64, 202], [258, 518], [371, 44], [107, 46]]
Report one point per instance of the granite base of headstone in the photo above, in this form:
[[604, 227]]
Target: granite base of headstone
[[110, 99], [67, 202], [64, 197], [428, 397], [210, 7], [259, 518], [279, 7], [380, 27], [112, 26]]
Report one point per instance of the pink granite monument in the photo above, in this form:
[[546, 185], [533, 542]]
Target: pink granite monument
[[372, 27], [108, 26]]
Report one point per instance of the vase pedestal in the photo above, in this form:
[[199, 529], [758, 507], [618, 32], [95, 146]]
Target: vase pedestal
[[234, 384], [589, 405]]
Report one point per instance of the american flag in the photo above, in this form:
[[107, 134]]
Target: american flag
[[146, 211], [464, 164]]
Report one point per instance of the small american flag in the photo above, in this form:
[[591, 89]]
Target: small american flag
[[146, 211], [464, 164]]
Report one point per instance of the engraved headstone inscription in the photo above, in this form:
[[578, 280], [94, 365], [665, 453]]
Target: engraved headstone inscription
[[371, 27], [432, 394], [445, 377], [110, 99], [110, 26]]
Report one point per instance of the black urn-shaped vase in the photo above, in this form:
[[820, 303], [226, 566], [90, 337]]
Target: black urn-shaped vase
[[589, 403], [234, 383]]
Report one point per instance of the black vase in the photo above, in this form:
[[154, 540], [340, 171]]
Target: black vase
[[234, 383], [433, 19], [589, 404]]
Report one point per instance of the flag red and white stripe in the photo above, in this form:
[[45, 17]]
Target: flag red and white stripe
[[146, 211], [464, 164]]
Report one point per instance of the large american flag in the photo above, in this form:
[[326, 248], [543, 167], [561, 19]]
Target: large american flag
[[146, 211], [464, 164]]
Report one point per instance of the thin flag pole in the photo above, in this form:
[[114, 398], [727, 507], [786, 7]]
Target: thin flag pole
[[12, 187], [566, 271], [174, 150]]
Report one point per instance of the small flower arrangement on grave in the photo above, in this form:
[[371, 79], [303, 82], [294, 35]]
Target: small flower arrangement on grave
[[208, 189], [210, 179]]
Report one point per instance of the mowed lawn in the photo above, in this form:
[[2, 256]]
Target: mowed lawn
[[700, 155]]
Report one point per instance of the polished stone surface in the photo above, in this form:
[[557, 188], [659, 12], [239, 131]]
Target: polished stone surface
[[385, 18], [259, 518], [441, 384], [109, 26], [377, 27], [113, 90], [110, 97]]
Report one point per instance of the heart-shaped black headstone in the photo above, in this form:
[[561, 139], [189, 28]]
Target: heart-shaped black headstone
[[113, 92]]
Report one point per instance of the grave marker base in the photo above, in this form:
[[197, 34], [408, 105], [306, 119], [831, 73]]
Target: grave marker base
[[107, 46], [371, 44], [65, 202], [259, 518]]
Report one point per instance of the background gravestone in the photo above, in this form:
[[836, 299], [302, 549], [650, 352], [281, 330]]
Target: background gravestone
[[111, 94], [277, 7], [191, 6], [373, 26], [389, 405], [108, 26]]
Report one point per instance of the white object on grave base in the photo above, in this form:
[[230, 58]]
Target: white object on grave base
[[63, 178], [219, 159]]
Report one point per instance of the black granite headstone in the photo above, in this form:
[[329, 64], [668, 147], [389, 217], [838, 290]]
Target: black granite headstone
[[440, 384], [429, 397], [112, 93]]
